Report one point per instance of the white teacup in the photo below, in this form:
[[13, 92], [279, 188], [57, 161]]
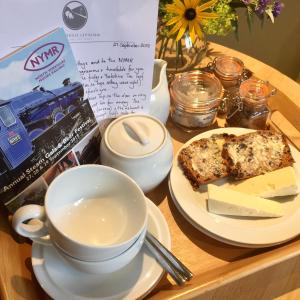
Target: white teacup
[[91, 212], [109, 265]]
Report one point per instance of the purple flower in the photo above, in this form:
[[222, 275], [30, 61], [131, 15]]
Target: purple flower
[[246, 1], [277, 8], [261, 7]]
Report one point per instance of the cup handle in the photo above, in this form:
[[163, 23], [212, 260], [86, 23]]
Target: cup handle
[[36, 228]]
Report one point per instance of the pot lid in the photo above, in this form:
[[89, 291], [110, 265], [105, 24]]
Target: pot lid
[[135, 135]]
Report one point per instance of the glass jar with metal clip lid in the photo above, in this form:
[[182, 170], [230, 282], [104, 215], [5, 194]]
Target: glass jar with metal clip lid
[[231, 72], [196, 98], [250, 107]]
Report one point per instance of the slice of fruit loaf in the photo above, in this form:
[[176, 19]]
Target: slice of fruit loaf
[[256, 153], [202, 160]]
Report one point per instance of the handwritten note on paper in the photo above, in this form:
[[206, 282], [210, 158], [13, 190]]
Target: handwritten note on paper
[[113, 43], [111, 84]]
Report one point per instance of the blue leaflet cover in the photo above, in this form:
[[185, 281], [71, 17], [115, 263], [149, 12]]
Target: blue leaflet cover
[[46, 122]]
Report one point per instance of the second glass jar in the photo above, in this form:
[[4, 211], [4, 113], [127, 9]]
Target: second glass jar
[[230, 71], [251, 105]]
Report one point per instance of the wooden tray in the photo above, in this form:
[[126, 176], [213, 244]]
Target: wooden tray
[[213, 263]]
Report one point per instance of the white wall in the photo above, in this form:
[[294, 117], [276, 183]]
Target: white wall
[[275, 44]]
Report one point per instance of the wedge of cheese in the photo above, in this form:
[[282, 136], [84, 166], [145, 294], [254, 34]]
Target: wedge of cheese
[[225, 201], [281, 182]]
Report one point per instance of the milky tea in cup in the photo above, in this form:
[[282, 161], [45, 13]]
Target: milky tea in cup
[[92, 213]]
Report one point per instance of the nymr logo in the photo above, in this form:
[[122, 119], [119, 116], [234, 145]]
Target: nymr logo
[[44, 56]]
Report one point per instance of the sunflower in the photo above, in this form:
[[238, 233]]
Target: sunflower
[[189, 14]]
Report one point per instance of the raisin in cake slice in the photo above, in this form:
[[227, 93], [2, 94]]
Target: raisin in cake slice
[[202, 160], [256, 153]]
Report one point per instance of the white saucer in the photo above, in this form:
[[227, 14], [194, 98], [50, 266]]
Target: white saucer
[[135, 280]]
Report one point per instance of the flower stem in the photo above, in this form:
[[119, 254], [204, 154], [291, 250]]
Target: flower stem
[[172, 45], [176, 59], [180, 52], [165, 47], [161, 47]]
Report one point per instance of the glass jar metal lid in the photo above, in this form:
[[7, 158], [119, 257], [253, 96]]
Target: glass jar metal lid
[[196, 91], [255, 90], [228, 67]]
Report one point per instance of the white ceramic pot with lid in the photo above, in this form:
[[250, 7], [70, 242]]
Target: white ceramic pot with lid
[[140, 146]]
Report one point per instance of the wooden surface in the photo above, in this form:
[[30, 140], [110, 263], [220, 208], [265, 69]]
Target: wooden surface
[[221, 271]]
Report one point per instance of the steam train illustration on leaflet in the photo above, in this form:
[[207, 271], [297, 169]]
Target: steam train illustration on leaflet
[[24, 118]]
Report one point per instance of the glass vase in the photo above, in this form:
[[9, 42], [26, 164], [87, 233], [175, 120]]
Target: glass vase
[[182, 55]]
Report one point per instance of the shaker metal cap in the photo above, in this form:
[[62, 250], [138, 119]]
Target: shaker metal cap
[[135, 135]]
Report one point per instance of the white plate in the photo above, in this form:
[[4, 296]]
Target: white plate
[[237, 231], [137, 279], [219, 238]]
